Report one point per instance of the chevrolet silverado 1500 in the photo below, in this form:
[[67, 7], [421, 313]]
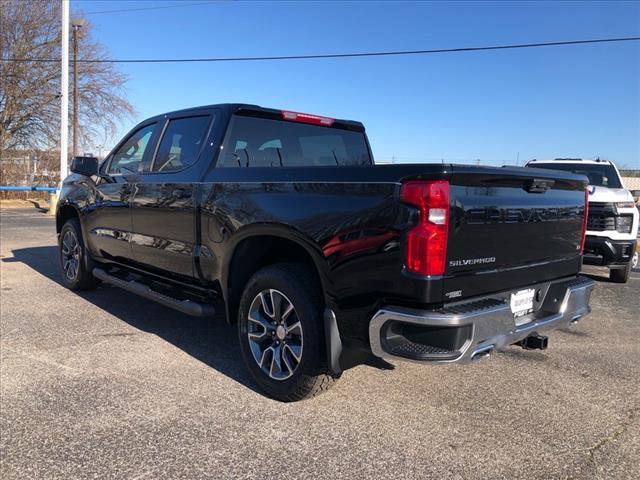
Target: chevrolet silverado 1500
[[321, 257]]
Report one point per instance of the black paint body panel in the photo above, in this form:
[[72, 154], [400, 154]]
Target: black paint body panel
[[163, 226], [521, 235]]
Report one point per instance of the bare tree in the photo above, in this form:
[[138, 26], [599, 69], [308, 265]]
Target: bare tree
[[30, 89]]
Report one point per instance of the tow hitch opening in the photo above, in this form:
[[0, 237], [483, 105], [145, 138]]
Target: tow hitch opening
[[534, 341]]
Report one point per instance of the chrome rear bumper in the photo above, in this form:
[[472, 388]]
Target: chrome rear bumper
[[463, 332]]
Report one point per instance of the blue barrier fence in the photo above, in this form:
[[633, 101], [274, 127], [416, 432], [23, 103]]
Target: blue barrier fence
[[13, 188]]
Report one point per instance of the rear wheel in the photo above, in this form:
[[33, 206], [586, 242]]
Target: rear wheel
[[281, 334], [620, 275], [72, 256]]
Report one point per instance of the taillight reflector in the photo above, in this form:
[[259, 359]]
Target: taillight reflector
[[426, 251], [585, 219], [307, 118]]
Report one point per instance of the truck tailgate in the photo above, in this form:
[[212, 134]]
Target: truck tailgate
[[510, 227]]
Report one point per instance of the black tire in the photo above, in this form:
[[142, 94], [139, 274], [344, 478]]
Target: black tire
[[296, 286], [620, 275], [72, 258]]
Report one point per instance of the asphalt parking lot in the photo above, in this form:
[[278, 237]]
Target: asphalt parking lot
[[107, 385]]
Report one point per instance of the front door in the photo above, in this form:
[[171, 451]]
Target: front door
[[108, 222]]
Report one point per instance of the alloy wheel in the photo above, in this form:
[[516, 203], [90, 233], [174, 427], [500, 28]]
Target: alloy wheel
[[275, 334], [70, 255]]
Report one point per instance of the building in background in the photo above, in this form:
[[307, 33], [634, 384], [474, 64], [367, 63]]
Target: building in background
[[631, 180]]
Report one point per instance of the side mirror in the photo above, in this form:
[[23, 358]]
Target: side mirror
[[85, 166]]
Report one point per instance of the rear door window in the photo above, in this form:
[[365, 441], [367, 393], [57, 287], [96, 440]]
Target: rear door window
[[260, 142], [181, 143]]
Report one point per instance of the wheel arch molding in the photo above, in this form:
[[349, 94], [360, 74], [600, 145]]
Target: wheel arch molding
[[256, 246]]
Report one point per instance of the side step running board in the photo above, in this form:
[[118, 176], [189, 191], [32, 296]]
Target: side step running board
[[189, 307]]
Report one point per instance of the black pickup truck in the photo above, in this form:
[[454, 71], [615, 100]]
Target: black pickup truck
[[321, 257]]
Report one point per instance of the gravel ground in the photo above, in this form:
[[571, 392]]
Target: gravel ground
[[108, 385]]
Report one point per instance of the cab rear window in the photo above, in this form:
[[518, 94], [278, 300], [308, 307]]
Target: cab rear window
[[261, 142]]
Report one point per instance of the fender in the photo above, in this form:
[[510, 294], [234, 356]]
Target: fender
[[76, 192], [277, 230]]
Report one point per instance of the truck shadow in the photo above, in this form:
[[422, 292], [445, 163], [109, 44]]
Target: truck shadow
[[209, 340]]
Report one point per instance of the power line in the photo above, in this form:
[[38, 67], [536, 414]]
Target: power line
[[193, 4], [337, 55]]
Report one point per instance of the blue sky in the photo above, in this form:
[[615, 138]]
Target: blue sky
[[578, 101]]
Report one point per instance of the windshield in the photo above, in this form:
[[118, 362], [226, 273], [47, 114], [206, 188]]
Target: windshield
[[600, 175]]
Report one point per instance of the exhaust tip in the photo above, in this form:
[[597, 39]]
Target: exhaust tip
[[481, 354]]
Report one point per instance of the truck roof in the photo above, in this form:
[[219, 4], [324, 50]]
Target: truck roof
[[572, 160], [257, 110]]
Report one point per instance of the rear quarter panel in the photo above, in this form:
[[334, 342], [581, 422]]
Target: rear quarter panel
[[347, 218]]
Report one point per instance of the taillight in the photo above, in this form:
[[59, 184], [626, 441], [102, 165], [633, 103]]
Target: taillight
[[427, 241], [585, 219], [307, 118]]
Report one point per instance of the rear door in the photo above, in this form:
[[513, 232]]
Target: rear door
[[164, 201]]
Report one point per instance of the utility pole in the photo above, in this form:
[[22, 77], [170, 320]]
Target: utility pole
[[77, 25], [64, 92]]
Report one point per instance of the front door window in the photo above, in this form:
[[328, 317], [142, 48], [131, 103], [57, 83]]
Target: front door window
[[129, 156]]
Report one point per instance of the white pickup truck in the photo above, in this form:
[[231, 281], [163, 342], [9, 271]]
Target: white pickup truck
[[612, 225]]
